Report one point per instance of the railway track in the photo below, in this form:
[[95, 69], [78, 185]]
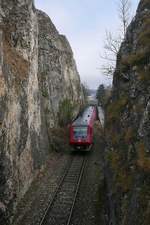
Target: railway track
[[60, 208]]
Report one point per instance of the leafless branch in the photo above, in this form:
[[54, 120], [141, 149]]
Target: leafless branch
[[112, 43], [124, 12]]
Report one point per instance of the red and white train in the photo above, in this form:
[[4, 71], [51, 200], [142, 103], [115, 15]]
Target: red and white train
[[81, 130]]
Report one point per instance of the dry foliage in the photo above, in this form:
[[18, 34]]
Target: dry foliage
[[130, 135], [144, 76], [59, 139], [143, 160], [123, 179], [137, 59], [115, 109]]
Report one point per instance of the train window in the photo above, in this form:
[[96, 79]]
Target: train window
[[80, 132]]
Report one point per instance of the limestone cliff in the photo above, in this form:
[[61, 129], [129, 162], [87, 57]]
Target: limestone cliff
[[58, 77], [37, 73], [128, 125]]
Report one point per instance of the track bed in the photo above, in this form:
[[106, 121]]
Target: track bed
[[60, 208]]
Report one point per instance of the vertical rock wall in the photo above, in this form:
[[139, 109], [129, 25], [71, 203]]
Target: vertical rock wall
[[37, 71], [128, 124], [58, 76]]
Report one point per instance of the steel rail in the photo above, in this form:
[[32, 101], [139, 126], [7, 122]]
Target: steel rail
[[77, 189], [52, 199], [73, 170]]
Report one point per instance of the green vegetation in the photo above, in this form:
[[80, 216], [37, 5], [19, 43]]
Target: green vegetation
[[66, 111], [45, 93]]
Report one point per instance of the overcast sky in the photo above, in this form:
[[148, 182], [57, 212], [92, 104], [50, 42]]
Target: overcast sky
[[84, 23]]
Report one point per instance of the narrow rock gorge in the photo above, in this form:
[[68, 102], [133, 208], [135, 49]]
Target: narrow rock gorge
[[128, 126], [38, 75]]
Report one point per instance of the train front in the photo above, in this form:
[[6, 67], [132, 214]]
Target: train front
[[81, 130], [80, 137]]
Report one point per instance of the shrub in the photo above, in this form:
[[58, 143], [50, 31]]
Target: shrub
[[115, 109], [115, 139], [130, 135], [144, 37], [144, 76], [143, 160], [139, 58], [122, 177], [114, 159], [44, 93], [124, 180], [59, 139], [66, 111], [144, 196]]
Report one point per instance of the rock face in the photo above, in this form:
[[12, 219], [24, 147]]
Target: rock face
[[128, 124], [37, 73], [57, 73]]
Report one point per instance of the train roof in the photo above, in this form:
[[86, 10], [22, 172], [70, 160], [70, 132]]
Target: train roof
[[85, 118]]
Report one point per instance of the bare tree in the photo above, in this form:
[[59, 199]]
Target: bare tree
[[112, 43], [124, 9], [111, 48]]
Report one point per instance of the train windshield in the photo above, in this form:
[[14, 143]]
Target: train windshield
[[80, 132]]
